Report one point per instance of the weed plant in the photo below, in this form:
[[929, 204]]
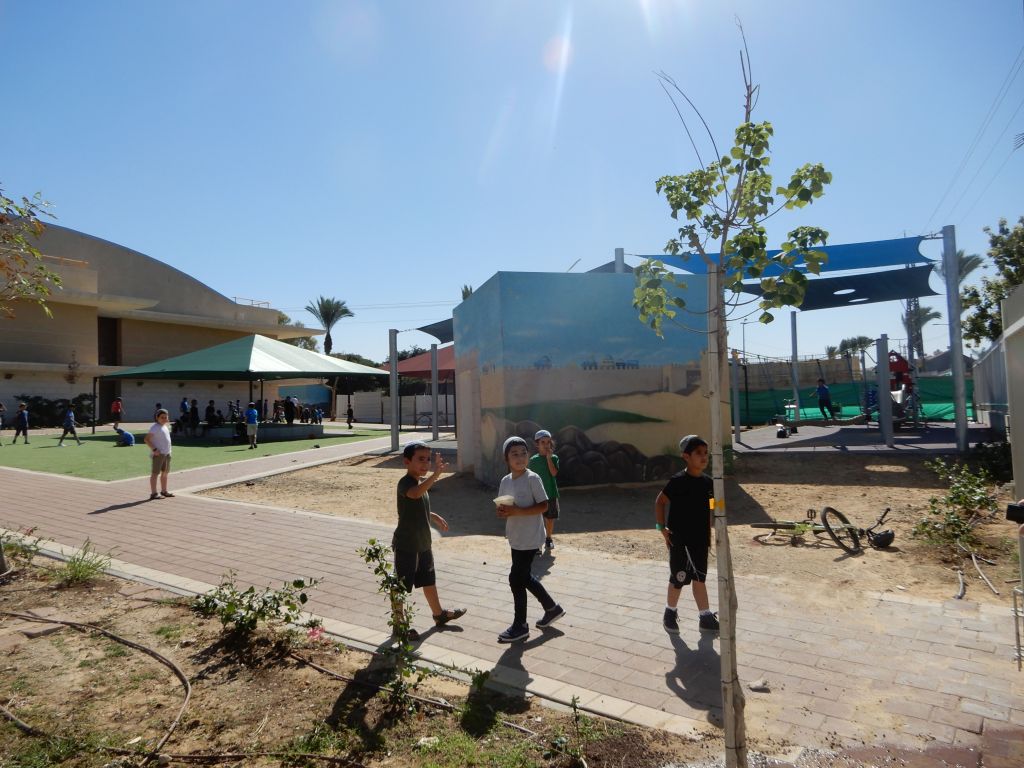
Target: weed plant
[[22, 551], [82, 567]]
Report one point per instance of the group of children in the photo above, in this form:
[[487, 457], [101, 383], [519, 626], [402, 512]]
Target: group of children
[[682, 514]]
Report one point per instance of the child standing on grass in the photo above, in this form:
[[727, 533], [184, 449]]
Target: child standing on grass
[[525, 533], [69, 427], [687, 531], [545, 463], [21, 423], [414, 560]]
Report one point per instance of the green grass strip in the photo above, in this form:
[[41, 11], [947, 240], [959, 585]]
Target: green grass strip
[[98, 458]]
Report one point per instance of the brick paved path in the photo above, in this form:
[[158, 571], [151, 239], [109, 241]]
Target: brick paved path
[[877, 668]]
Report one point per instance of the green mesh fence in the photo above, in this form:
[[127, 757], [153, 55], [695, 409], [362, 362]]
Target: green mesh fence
[[936, 395]]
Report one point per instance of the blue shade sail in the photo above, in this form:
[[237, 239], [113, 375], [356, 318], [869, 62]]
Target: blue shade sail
[[880, 253]]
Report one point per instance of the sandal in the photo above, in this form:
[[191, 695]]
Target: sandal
[[167, 494], [449, 615], [154, 496]]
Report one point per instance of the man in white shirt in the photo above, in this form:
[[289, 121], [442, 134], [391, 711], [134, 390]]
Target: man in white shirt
[[159, 441]]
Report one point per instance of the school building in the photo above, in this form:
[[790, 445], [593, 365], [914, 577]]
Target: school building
[[118, 308]]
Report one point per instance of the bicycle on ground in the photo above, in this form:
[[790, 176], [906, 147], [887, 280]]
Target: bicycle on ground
[[836, 526]]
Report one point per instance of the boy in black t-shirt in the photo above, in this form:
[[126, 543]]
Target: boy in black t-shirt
[[682, 513], [414, 560]]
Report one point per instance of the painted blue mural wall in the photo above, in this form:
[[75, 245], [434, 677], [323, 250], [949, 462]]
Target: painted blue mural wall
[[568, 353]]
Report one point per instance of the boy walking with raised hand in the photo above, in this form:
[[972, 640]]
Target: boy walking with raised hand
[[682, 512], [414, 559], [525, 533], [545, 463]]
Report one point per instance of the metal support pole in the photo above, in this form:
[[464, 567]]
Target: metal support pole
[[433, 386], [795, 375], [395, 405], [734, 380], [746, 396], [913, 331], [884, 393], [956, 345]]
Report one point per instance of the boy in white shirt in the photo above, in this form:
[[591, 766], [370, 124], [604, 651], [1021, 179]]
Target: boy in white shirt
[[524, 529]]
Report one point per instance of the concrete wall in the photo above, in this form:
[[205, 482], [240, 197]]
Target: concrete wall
[[990, 397], [32, 337], [1013, 346]]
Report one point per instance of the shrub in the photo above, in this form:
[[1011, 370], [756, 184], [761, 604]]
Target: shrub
[[43, 412], [995, 459], [969, 500], [243, 610]]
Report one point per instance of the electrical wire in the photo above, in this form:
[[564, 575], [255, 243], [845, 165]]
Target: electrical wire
[[1011, 75]]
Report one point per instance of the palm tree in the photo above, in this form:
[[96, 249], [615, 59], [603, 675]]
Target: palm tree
[[965, 265], [328, 312], [467, 291], [831, 352], [914, 321], [855, 344]]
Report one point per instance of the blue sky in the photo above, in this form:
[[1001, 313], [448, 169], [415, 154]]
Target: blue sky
[[388, 153]]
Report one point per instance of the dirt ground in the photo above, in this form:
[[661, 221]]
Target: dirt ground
[[99, 701], [618, 521], [94, 692]]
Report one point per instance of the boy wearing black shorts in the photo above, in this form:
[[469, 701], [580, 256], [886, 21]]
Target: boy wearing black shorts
[[414, 560], [682, 513]]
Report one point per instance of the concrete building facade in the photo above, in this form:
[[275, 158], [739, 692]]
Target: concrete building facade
[[118, 308]]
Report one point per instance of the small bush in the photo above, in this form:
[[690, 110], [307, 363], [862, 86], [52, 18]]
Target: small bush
[[243, 610], [995, 459], [43, 412], [969, 500]]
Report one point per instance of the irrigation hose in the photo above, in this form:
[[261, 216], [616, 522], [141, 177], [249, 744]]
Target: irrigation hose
[[178, 672]]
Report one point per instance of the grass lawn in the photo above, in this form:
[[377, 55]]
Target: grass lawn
[[99, 459]]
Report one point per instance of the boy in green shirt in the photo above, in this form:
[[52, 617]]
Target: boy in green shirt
[[414, 560], [545, 463]]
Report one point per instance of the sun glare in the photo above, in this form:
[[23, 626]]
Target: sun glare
[[557, 53]]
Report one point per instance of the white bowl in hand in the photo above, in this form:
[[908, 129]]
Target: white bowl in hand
[[505, 501]]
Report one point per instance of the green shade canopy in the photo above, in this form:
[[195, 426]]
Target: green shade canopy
[[251, 358]]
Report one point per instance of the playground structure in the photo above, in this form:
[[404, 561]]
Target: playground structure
[[766, 384]]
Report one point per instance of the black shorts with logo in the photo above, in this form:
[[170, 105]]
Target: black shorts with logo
[[686, 564]]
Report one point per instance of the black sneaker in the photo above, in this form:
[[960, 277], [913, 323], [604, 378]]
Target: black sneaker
[[709, 623], [549, 544], [671, 621], [550, 616], [514, 634]]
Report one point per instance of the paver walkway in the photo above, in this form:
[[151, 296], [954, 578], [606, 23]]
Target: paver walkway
[[876, 668]]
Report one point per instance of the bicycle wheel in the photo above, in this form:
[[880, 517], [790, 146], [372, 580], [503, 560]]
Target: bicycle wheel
[[839, 528]]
